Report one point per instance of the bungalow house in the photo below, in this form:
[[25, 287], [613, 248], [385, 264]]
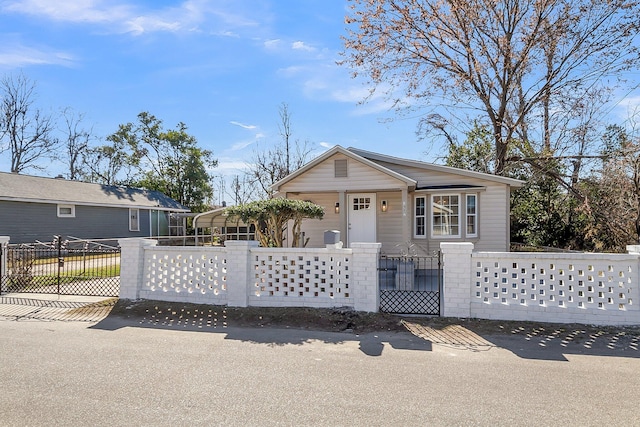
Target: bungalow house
[[401, 203], [35, 209]]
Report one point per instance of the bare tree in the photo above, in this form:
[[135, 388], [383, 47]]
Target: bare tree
[[76, 143], [612, 205], [27, 132], [507, 58], [270, 165], [242, 189], [285, 133]]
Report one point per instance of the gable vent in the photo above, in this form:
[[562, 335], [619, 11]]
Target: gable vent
[[340, 168]]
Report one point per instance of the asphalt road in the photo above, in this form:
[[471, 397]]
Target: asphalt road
[[121, 372]]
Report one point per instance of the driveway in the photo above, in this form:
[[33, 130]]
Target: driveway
[[184, 369]]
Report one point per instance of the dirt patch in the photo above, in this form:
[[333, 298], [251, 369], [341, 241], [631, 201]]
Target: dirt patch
[[333, 320], [348, 320]]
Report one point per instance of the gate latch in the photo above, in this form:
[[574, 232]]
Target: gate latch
[[60, 262]]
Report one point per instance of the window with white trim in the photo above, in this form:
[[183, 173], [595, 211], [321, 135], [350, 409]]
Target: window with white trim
[[66, 211], [134, 219], [420, 217], [472, 216], [445, 215]]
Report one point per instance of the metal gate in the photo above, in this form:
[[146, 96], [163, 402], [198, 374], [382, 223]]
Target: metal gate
[[410, 284], [78, 267]]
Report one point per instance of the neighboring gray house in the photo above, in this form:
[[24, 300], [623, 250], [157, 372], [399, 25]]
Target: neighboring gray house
[[371, 197], [34, 208]]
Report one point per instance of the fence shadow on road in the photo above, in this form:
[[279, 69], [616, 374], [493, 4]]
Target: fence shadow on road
[[528, 340], [524, 339], [216, 319], [556, 342]]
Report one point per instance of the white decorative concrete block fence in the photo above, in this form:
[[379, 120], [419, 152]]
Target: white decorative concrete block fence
[[547, 287], [241, 274], [584, 288]]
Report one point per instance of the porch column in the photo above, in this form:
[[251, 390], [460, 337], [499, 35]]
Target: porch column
[[406, 217], [342, 199]]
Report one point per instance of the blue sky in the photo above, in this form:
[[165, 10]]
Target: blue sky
[[221, 67]]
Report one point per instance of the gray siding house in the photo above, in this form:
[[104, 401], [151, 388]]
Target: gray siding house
[[35, 209], [401, 203]]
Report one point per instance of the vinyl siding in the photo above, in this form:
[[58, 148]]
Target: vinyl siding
[[389, 230], [27, 222], [360, 177], [493, 219], [314, 228]]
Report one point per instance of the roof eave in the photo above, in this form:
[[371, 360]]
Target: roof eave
[[339, 149], [441, 168]]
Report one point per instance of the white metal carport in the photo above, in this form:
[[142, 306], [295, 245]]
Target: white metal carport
[[220, 225]]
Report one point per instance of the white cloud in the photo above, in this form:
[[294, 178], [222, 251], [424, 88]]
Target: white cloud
[[299, 45], [328, 83], [291, 71], [122, 17], [242, 125], [351, 94], [230, 166], [17, 55], [147, 24], [272, 44], [240, 145], [87, 11], [326, 144], [227, 33], [630, 102], [245, 143]]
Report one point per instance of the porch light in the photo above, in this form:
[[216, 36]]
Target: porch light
[[383, 205], [337, 208]]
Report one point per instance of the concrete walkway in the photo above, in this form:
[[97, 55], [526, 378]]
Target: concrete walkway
[[17, 306]]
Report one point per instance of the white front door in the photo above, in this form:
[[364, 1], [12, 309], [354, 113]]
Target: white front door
[[361, 218]]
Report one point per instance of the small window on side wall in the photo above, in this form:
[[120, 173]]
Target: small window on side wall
[[66, 211], [134, 220]]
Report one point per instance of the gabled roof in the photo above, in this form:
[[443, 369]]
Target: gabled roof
[[25, 188], [339, 150], [369, 158], [436, 168]]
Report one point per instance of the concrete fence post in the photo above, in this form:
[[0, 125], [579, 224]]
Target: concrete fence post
[[456, 289], [4, 242], [132, 266], [364, 276], [239, 271]]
